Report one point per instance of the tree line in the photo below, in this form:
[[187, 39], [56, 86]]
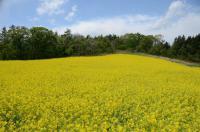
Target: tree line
[[22, 43]]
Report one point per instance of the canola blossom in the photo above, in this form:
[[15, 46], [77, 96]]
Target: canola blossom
[[117, 92]]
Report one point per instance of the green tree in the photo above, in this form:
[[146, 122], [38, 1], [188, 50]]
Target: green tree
[[145, 44], [43, 43]]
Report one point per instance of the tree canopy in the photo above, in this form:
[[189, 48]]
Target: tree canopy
[[22, 43]]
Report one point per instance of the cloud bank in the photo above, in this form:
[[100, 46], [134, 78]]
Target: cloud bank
[[180, 18], [71, 13], [51, 7]]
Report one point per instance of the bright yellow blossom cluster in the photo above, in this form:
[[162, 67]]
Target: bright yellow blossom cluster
[[105, 93]]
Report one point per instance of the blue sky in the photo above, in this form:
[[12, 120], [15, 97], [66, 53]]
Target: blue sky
[[167, 17]]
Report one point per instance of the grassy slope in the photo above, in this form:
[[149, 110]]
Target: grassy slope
[[105, 92]]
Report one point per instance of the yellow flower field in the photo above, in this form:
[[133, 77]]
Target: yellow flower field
[[105, 93]]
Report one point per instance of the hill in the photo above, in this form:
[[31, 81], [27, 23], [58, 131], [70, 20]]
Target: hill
[[112, 92]]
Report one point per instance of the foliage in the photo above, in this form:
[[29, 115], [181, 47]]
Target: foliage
[[21, 43], [187, 48]]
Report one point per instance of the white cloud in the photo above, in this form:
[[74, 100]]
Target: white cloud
[[71, 13], [179, 19], [34, 19], [187, 25], [51, 7], [117, 25], [176, 10]]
